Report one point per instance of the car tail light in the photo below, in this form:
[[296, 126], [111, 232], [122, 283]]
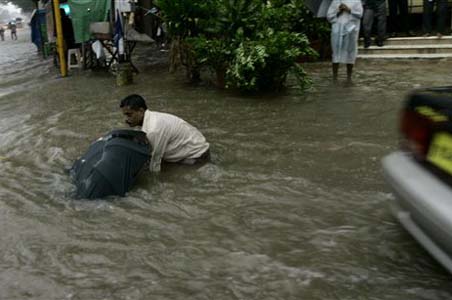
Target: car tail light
[[417, 130]]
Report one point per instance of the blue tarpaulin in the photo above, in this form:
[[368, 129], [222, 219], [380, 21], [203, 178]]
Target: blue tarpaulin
[[38, 21]]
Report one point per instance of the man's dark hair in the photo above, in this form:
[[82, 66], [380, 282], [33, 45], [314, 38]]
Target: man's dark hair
[[134, 101]]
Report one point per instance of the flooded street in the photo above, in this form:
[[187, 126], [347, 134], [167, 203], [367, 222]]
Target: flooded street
[[293, 205]]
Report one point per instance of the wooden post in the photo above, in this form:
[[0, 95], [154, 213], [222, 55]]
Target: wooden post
[[60, 40]]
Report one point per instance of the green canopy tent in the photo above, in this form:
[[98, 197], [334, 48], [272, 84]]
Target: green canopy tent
[[85, 12]]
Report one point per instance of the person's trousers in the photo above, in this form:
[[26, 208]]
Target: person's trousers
[[378, 13], [441, 13], [205, 157], [398, 15]]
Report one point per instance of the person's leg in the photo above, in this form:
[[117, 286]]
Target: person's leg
[[368, 19], [381, 25], [442, 16], [393, 23], [427, 16], [335, 71], [349, 72], [205, 157], [404, 18]]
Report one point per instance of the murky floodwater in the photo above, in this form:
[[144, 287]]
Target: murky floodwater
[[293, 205]]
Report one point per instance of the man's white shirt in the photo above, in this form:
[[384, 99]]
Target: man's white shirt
[[172, 139]]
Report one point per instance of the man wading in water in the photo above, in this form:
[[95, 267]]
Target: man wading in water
[[171, 138], [13, 29]]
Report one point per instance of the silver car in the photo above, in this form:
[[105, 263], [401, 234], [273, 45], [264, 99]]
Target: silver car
[[420, 173]]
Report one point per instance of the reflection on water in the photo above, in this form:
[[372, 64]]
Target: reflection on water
[[293, 205]]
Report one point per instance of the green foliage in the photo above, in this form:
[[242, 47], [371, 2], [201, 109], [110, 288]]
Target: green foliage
[[236, 17], [183, 16], [303, 20], [213, 53], [264, 63], [254, 43], [249, 60]]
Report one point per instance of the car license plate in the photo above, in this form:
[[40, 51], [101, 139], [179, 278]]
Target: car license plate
[[440, 151]]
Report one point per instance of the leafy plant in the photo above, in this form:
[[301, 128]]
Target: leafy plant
[[251, 44], [264, 64], [213, 53]]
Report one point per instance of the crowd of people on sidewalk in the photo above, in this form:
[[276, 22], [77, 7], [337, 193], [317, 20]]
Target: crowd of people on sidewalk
[[13, 29], [398, 19], [345, 17]]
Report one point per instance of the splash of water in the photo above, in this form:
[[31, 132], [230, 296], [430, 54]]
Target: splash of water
[[9, 12]]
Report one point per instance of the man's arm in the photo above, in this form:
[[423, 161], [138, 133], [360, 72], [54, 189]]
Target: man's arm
[[356, 10], [159, 141], [333, 11]]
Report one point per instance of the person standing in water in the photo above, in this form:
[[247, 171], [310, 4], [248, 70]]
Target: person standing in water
[[345, 18], [13, 29], [2, 33]]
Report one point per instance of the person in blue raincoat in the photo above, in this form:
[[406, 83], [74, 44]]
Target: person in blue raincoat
[[345, 18]]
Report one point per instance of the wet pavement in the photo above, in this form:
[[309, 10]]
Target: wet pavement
[[293, 205]]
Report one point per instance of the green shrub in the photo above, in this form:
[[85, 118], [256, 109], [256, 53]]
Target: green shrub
[[251, 44], [264, 64]]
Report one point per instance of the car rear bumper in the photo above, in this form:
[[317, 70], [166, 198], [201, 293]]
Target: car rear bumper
[[423, 205]]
